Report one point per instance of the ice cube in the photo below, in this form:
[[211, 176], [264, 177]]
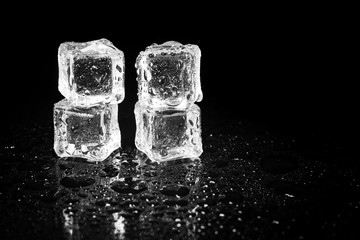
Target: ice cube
[[168, 134], [91, 133], [91, 72], [169, 75]]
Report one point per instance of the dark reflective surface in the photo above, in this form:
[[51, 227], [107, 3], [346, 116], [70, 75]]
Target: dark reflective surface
[[250, 183], [289, 172]]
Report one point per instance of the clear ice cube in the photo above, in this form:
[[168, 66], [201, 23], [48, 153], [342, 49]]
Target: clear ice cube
[[168, 134], [169, 75], [91, 72], [91, 133]]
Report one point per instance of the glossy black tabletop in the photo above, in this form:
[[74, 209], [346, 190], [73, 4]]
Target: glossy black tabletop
[[253, 181]]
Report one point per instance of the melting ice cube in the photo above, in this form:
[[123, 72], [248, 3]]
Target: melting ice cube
[[169, 75], [91, 133], [168, 134], [91, 72]]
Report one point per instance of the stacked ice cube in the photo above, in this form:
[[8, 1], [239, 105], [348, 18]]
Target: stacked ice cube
[[91, 78], [168, 122]]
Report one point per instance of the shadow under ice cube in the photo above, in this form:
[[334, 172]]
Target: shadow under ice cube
[[170, 134], [91, 72], [91, 133], [169, 75]]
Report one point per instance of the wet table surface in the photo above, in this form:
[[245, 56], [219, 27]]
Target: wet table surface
[[251, 182]]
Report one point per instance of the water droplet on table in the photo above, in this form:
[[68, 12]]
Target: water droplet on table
[[76, 181], [175, 190]]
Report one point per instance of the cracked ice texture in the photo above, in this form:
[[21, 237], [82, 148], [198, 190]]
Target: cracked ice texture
[[92, 133], [168, 134], [91, 72], [169, 75]]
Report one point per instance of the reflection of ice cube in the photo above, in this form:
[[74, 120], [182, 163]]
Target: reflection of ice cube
[[169, 75], [91, 72], [91, 133], [170, 134]]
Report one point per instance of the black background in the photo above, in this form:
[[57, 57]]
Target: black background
[[288, 67]]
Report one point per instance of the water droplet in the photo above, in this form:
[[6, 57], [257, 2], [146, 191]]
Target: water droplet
[[175, 189], [128, 186], [76, 181], [171, 43], [111, 171]]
